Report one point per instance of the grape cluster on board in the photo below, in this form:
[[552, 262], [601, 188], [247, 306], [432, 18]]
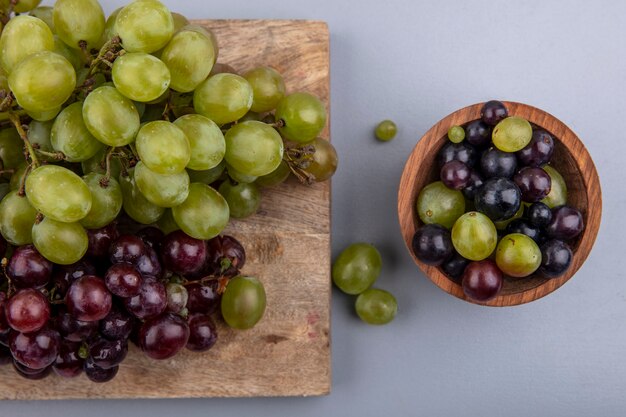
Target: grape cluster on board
[[125, 150], [499, 209]]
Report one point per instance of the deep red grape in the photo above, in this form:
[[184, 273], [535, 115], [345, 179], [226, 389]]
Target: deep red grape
[[97, 374], [163, 336], [100, 241], [72, 329], [478, 134], [539, 215], [28, 269], [226, 256], [455, 175], [32, 374], [499, 199], [202, 299], [116, 325], [183, 254], [88, 299], [127, 248], [432, 244], [539, 151], [463, 152], [148, 263], [474, 183], [202, 333], [493, 112], [108, 353], [68, 363], [566, 223], [534, 183], [482, 280], [556, 257], [151, 300], [152, 237], [64, 275], [123, 280], [35, 350], [496, 163], [27, 310]]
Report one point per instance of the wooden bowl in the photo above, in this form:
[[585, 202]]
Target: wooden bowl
[[570, 158]]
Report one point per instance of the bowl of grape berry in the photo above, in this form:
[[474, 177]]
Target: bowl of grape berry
[[499, 203]]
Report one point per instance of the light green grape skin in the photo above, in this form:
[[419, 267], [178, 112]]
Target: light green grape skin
[[144, 26], [17, 217], [376, 306], [72, 55], [21, 37], [206, 140], [44, 116], [239, 177], [474, 236], [37, 90], [243, 303], [39, 135], [253, 148], [356, 268], [456, 134], [24, 6], [278, 176], [512, 134], [189, 56], [518, 255], [44, 13], [97, 164], [268, 88], [59, 242], [58, 193], [208, 176], [140, 77], [70, 135], [163, 147], [324, 162], [109, 26], [303, 116], [11, 148], [180, 21], [558, 192], [79, 20], [438, 204], [167, 224], [243, 199], [162, 190], [135, 204], [204, 214], [110, 117], [223, 98], [106, 201], [386, 131], [18, 175]]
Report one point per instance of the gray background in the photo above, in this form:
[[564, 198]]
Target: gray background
[[416, 62]]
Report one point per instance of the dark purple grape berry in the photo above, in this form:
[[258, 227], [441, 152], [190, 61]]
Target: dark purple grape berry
[[123, 280], [97, 374], [202, 299], [3, 246], [64, 275], [474, 183], [68, 363], [100, 241], [152, 237], [35, 350], [27, 311], [28, 269], [455, 175], [32, 374], [5, 356], [432, 244], [556, 257], [74, 330], [148, 263], [525, 228], [499, 199], [539, 215], [455, 266], [566, 223], [495, 163], [127, 248], [539, 151], [151, 300], [163, 336], [482, 280], [118, 324], [463, 152], [534, 183], [493, 112], [108, 353], [226, 256], [478, 134], [202, 333], [88, 299], [183, 254]]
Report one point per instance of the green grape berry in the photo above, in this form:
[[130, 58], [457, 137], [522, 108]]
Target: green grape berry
[[253, 148], [356, 268], [59, 242], [243, 199], [70, 135], [456, 134], [24, 6], [192, 215], [110, 117], [135, 204], [208, 176], [206, 141], [163, 147], [166, 223], [243, 303], [161, 189], [21, 37], [474, 236], [512, 134], [268, 88], [558, 192], [324, 162], [140, 76], [386, 130], [438, 204], [303, 117], [106, 200], [11, 146], [518, 255], [144, 26], [278, 176], [44, 13], [17, 217], [376, 306], [77, 21], [223, 98]]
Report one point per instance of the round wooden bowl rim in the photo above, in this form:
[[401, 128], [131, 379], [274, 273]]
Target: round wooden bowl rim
[[429, 145]]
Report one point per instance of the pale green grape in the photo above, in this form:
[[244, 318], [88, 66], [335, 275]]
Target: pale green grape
[[23, 36], [106, 201], [23, 6], [456, 134], [223, 98], [167, 224], [386, 130], [17, 217], [438, 204], [518, 255], [243, 303], [208, 176], [324, 162], [109, 26], [512, 134], [144, 26], [357, 268], [189, 56], [163, 147], [180, 21], [243, 199], [70, 135], [44, 13], [558, 192], [268, 88], [140, 77], [72, 55], [376, 306], [97, 164], [303, 116], [206, 141], [44, 116], [162, 190], [58, 242], [253, 148], [135, 204], [111, 117], [474, 236], [239, 177], [204, 214], [39, 136], [11, 148], [40, 90], [278, 176], [58, 193], [79, 20]]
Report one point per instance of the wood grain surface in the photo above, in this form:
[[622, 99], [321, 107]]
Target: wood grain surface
[[571, 159], [288, 248]]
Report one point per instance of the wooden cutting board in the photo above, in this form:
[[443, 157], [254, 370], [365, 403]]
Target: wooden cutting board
[[288, 248]]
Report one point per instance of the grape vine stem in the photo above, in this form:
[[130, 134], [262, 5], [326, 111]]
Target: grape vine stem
[[15, 119]]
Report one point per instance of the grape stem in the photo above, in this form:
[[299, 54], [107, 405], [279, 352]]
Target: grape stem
[[15, 119], [298, 160], [7, 171], [104, 182], [107, 55], [22, 190], [7, 100], [57, 156]]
